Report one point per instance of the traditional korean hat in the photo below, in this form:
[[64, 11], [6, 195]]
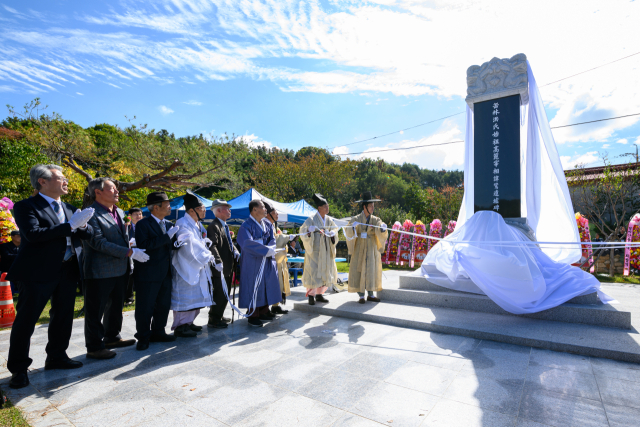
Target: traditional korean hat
[[367, 198], [191, 201], [269, 207], [319, 200], [156, 197]]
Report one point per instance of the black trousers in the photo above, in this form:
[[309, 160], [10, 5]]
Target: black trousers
[[103, 300], [216, 311], [128, 296], [33, 298], [153, 300]]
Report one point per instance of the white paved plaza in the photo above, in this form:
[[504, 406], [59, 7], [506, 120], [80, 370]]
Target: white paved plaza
[[309, 370]]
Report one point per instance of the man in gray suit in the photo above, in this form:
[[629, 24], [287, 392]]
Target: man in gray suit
[[106, 271]]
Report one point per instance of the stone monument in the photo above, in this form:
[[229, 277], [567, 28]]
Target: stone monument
[[495, 91]]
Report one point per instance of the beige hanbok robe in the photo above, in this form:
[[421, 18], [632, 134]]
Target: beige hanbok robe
[[320, 253], [365, 270], [281, 262]]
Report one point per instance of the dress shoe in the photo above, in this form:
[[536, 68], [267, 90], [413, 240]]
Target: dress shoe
[[255, 322], [184, 331], [271, 315], [101, 354], [374, 299], [226, 319], [142, 345], [276, 309], [62, 364], [119, 343], [218, 325], [195, 327], [265, 318], [361, 301], [19, 380], [320, 298], [162, 338], [312, 301]]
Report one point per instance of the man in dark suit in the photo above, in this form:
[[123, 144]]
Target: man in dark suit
[[153, 278], [106, 271], [47, 267], [8, 254], [225, 255], [136, 215]]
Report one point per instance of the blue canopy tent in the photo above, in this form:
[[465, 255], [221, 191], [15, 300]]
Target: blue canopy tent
[[177, 208], [288, 213]]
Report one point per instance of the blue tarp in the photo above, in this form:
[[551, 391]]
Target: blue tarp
[[290, 213], [177, 208]]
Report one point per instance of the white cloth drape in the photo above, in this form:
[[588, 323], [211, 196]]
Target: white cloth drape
[[520, 279]]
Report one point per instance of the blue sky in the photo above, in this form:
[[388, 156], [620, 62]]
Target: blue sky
[[324, 73]]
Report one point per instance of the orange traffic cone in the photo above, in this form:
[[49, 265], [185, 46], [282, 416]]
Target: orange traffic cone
[[7, 310]]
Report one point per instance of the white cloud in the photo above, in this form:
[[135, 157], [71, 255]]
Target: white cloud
[[165, 110], [637, 141], [606, 146], [192, 102], [622, 141], [81, 94], [377, 47], [586, 159], [447, 156], [255, 141]]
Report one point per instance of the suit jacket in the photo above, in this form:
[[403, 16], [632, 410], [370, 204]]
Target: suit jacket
[[221, 248], [8, 254], [158, 246], [105, 254], [44, 240], [131, 230]]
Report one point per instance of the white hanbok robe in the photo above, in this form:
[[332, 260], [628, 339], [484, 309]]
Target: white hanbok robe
[[190, 271]]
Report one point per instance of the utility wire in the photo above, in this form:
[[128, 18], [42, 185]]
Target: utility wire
[[457, 142], [586, 71], [457, 114], [398, 131]]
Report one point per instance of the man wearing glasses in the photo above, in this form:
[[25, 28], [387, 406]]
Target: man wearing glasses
[[47, 266]]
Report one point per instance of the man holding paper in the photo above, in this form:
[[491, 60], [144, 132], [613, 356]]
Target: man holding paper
[[319, 236], [259, 287], [365, 245]]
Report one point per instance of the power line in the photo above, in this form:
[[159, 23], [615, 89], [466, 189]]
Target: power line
[[457, 142], [457, 114], [397, 131], [586, 71]]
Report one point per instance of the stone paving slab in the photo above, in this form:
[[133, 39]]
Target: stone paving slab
[[315, 370]]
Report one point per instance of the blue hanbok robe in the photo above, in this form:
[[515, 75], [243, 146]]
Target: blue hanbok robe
[[254, 242]]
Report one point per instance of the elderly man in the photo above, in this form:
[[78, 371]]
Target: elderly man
[[190, 269], [48, 269], [225, 258], [281, 258], [153, 278], [136, 215], [8, 254], [319, 235], [259, 286], [106, 271], [365, 245]]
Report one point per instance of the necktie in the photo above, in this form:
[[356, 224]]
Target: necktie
[[163, 227], [226, 229], [58, 210]]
